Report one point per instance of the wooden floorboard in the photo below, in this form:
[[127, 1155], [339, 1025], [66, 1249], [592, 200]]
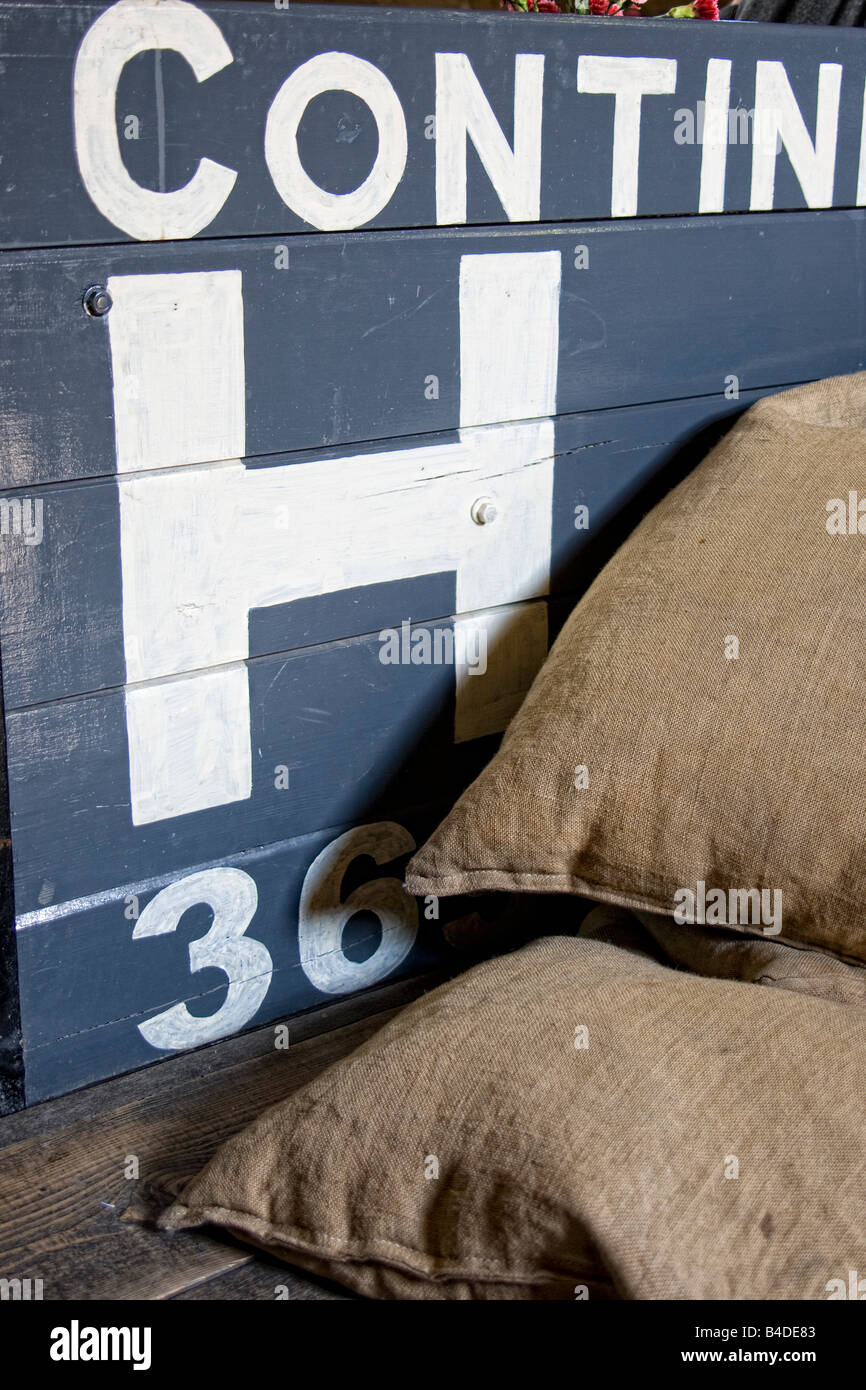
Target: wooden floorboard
[[262, 1280], [70, 1216]]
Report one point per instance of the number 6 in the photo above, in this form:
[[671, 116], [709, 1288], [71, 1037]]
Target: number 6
[[323, 916]]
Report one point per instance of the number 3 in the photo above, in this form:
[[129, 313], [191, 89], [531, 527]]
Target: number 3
[[233, 896]]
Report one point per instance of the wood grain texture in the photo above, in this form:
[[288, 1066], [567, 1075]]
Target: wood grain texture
[[62, 595], [92, 993], [68, 1215], [214, 778], [262, 1280], [11, 1060], [87, 985], [223, 118], [361, 741], [341, 345]]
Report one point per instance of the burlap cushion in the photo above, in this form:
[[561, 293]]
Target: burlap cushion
[[739, 771], [571, 1119]]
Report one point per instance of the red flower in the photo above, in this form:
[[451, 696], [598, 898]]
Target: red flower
[[603, 7], [542, 6], [706, 9]]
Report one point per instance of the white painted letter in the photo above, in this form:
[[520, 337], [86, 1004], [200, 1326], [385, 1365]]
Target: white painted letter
[[777, 116], [463, 112], [201, 547], [128, 28], [343, 72], [714, 151], [861, 172], [628, 80]]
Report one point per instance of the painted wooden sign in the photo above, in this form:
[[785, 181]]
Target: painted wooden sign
[[231, 119], [294, 499]]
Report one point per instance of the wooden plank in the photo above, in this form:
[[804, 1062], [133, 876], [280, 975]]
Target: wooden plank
[[198, 713], [333, 736], [364, 742], [64, 594], [362, 338], [566, 167], [261, 1280], [11, 1062], [81, 1253], [69, 1216], [294, 926], [192, 1069]]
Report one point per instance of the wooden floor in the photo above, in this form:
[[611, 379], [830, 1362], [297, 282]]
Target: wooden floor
[[70, 1217]]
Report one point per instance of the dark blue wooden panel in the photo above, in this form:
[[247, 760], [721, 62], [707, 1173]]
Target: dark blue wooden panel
[[11, 1064], [618, 348], [341, 346], [358, 737], [87, 983], [63, 595], [224, 117]]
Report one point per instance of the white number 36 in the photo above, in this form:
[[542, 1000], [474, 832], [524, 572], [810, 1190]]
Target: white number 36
[[233, 897]]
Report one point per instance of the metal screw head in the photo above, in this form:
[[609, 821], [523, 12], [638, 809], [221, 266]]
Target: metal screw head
[[484, 511], [97, 301]]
